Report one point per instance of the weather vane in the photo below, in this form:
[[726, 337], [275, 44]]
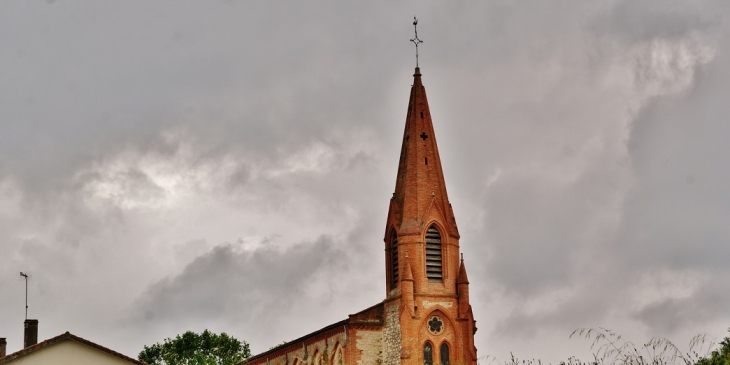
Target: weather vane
[[415, 40], [26, 293]]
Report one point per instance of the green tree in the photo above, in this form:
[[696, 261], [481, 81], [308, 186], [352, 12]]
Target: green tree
[[720, 356], [191, 348]]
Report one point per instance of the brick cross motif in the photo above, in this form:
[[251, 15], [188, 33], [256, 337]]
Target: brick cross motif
[[423, 136]]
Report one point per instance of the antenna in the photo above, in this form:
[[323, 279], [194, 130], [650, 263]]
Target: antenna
[[26, 293], [415, 40]]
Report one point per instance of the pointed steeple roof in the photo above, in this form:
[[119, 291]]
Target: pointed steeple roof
[[420, 190], [462, 278]]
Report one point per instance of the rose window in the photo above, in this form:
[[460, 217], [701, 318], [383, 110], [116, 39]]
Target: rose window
[[435, 325]]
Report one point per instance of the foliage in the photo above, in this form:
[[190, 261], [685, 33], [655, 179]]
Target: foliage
[[277, 345], [610, 348], [720, 356], [206, 348], [515, 361]]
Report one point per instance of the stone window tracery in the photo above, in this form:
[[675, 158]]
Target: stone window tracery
[[435, 325]]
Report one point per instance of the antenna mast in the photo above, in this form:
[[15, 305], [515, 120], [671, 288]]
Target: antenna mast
[[26, 293], [415, 40]]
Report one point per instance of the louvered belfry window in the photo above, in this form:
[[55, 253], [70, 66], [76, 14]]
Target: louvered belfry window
[[394, 259], [434, 269]]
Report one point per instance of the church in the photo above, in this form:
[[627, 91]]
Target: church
[[425, 317]]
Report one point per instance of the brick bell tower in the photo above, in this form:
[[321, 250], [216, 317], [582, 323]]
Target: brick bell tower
[[427, 287]]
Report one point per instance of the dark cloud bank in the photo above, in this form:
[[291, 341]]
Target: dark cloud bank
[[584, 147], [247, 287]]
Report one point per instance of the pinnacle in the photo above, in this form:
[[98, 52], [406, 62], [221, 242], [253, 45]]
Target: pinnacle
[[462, 278], [407, 273]]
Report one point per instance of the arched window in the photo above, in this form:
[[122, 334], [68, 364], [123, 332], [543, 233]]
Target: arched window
[[427, 354], [444, 354], [434, 271], [337, 356], [394, 259]]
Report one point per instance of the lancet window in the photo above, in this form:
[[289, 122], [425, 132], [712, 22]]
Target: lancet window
[[337, 356], [427, 354], [444, 354]]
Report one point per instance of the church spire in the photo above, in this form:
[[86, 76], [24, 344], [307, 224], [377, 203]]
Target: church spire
[[420, 190], [426, 283]]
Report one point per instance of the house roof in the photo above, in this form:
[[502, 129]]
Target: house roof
[[64, 337]]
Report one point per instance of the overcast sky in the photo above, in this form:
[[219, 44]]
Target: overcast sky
[[181, 165]]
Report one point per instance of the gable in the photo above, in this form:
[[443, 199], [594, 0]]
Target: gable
[[68, 352]]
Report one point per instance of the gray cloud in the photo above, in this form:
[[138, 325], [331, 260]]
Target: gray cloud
[[250, 287], [706, 304], [582, 143], [242, 289], [647, 20]]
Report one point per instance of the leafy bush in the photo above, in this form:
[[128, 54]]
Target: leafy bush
[[720, 356], [191, 348]]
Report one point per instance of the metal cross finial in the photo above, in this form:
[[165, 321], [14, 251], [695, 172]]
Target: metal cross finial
[[415, 40]]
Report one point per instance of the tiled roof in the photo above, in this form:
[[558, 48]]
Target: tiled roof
[[66, 336]]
